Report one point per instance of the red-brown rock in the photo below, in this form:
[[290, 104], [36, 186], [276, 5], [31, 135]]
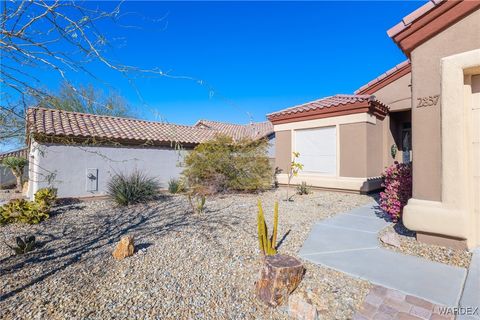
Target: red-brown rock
[[279, 276]]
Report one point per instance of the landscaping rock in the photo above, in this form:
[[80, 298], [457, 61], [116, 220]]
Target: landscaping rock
[[124, 248], [279, 276], [391, 239], [300, 306]]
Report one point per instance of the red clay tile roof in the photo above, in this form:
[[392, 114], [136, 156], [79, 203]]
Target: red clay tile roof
[[256, 130], [386, 78], [21, 153], [44, 122], [429, 20], [408, 19], [340, 104]]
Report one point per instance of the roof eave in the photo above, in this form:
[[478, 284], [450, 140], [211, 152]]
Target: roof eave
[[369, 106], [428, 21]]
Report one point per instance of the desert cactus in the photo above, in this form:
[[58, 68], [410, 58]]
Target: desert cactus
[[267, 245]]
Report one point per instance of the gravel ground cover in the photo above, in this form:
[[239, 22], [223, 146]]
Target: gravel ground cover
[[409, 245], [186, 266]]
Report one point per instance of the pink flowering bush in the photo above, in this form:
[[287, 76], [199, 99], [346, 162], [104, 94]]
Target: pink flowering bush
[[397, 180]]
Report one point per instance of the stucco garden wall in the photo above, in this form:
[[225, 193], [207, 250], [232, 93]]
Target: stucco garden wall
[[67, 166]]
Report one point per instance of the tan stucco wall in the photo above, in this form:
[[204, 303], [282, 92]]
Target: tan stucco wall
[[397, 95], [426, 121], [353, 150], [283, 149], [375, 149], [455, 216], [361, 149]]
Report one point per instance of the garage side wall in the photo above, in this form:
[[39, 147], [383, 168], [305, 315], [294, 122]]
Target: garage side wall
[[283, 149], [353, 150], [67, 167]]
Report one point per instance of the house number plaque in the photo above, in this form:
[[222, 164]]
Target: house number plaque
[[429, 101]]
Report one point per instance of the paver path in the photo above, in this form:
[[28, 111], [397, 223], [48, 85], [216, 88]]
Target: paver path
[[389, 304], [348, 242]]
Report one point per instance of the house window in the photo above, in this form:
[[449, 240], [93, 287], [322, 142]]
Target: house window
[[318, 149]]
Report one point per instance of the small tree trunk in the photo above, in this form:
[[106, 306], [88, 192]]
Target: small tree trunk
[[279, 276], [19, 183]]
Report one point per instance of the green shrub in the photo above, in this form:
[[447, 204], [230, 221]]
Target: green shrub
[[223, 165], [136, 187], [21, 210], [46, 197], [31, 212], [175, 186], [303, 189]]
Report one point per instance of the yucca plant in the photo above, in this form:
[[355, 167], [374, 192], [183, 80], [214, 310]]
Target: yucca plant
[[136, 187], [16, 164], [268, 246]]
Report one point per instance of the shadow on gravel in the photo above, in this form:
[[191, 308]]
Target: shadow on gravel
[[68, 240]]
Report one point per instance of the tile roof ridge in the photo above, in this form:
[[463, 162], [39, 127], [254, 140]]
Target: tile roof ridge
[[300, 105], [413, 16], [12, 151], [116, 117], [389, 73], [206, 121]]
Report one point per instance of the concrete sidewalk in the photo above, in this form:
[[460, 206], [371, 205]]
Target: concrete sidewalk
[[348, 243], [471, 291]]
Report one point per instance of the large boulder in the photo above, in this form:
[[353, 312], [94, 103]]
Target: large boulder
[[125, 248], [279, 276]]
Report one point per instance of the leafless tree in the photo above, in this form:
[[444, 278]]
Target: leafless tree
[[56, 39]]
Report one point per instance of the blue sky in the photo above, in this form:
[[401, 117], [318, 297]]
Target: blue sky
[[258, 57]]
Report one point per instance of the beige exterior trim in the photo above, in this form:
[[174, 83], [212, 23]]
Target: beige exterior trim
[[326, 122], [454, 216], [329, 182]]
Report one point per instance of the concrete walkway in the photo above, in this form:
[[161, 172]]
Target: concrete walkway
[[470, 301], [348, 243]]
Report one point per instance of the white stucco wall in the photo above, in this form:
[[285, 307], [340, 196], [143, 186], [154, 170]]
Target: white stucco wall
[[67, 166]]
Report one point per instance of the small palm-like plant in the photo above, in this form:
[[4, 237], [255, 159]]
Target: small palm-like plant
[[16, 164]]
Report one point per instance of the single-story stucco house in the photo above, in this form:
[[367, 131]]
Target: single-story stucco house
[[77, 153], [7, 179], [427, 108]]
